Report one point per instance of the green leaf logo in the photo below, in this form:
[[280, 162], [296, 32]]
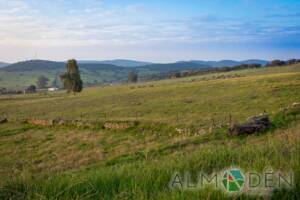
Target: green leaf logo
[[233, 180]]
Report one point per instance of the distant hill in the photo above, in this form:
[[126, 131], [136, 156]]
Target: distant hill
[[178, 66], [24, 73], [32, 65], [229, 63], [255, 61], [96, 72], [117, 62], [27, 72], [3, 64]]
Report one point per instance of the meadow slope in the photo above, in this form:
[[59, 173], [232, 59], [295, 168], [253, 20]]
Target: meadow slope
[[65, 162]]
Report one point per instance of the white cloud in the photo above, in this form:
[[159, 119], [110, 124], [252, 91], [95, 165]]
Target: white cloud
[[79, 23]]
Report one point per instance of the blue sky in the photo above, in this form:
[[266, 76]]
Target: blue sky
[[156, 30]]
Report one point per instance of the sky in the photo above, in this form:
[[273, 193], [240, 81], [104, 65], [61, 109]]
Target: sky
[[149, 30]]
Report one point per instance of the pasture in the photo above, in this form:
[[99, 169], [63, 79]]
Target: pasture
[[66, 162]]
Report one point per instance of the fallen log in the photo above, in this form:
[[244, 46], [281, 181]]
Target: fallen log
[[256, 124]]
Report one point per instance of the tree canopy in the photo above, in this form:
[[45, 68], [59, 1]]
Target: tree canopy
[[42, 81], [132, 77], [71, 78]]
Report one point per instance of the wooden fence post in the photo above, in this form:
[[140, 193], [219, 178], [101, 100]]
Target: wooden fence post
[[213, 122]]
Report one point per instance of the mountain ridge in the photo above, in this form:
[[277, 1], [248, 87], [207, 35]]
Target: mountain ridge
[[25, 73], [229, 63], [3, 64], [132, 63], [117, 62]]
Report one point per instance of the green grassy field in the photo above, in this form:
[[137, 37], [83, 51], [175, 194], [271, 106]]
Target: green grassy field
[[19, 80], [138, 163]]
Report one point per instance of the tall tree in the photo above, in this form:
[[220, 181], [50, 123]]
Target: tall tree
[[42, 81], [55, 82], [71, 78], [30, 89], [132, 77]]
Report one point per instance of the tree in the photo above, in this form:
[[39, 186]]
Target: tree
[[3, 90], [42, 82], [71, 78], [55, 82], [276, 63], [291, 61], [176, 75], [30, 89], [132, 77]]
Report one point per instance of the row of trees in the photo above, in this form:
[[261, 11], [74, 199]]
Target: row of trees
[[212, 70], [42, 82], [274, 63]]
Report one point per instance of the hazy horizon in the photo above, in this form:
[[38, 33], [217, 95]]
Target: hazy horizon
[[153, 31], [103, 60]]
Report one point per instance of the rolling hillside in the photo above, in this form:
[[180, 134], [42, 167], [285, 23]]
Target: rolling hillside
[[25, 73], [229, 63], [22, 74]]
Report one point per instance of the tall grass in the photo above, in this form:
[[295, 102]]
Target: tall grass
[[148, 179]]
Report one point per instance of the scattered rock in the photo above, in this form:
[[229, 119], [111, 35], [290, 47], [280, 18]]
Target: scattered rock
[[4, 120], [118, 125], [294, 110], [78, 123], [201, 132], [296, 104], [256, 124], [40, 122], [61, 122], [182, 131], [178, 130]]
